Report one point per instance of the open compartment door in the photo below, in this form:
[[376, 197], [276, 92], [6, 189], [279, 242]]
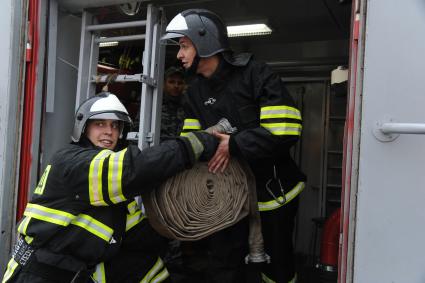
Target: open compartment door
[[382, 231]]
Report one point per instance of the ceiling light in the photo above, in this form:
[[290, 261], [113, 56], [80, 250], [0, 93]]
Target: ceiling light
[[108, 44], [248, 30]]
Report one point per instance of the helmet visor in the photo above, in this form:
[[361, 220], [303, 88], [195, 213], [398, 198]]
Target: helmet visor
[[111, 116], [171, 38]]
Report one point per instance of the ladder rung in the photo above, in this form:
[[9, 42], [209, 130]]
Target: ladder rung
[[116, 25], [121, 38], [133, 136], [125, 78]]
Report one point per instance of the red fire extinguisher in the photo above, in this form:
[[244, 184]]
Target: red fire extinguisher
[[328, 264]]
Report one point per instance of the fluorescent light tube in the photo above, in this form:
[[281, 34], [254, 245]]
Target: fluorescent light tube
[[248, 30], [108, 43]]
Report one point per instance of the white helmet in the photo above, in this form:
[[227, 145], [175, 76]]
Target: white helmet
[[104, 105]]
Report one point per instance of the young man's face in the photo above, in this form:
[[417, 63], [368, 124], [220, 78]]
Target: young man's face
[[103, 133], [174, 85], [187, 52]]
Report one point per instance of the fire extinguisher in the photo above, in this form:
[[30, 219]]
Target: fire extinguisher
[[328, 263]]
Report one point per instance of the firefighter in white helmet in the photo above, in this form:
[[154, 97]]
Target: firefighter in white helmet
[[82, 223], [255, 101]]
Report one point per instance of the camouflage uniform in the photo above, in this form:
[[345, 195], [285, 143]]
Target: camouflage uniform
[[172, 116]]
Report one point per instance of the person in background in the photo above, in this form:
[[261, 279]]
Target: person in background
[[82, 223], [255, 101], [172, 107]]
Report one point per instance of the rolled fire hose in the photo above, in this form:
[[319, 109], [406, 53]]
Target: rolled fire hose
[[196, 203]]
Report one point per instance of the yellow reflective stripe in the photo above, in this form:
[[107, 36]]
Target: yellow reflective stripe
[[280, 111], [191, 124], [153, 271], [295, 279], [266, 279], [132, 207], [93, 226], [115, 176], [283, 128], [273, 204], [99, 275], [48, 214], [43, 180], [161, 276], [183, 134], [63, 218], [134, 219], [22, 228], [29, 239], [11, 266], [95, 178]]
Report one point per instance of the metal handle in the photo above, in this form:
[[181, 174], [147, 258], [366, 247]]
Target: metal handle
[[403, 128], [389, 131]]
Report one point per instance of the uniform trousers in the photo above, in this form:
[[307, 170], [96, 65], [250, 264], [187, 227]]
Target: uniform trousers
[[138, 256]]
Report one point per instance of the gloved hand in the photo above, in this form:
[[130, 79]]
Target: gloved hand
[[203, 144], [223, 127]]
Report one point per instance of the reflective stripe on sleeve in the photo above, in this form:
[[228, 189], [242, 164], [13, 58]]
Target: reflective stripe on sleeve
[[99, 275], [161, 276], [115, 169], [48, 214], [266, 279], [132, 207], [134, 219], [292, 129], [191, 124], [95, 178], [280, 111], [39, 190], [29, 239], [273, 204], [295, 279], [22, 228], [93, 226], [153, 271], [11, 266]]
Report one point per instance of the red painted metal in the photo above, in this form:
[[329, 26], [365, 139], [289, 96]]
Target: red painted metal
[[330, 240], [348, 146], [28, 108]]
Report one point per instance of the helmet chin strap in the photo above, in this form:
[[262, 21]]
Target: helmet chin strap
[[192, 69]]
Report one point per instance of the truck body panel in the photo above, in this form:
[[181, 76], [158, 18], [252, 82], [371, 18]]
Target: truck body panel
[[382, 180]]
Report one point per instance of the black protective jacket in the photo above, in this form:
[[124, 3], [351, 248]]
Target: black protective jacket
[[83, 204], [254, 100]]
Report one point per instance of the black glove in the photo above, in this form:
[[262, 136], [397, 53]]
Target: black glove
[[203, 144], [210, 143]]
